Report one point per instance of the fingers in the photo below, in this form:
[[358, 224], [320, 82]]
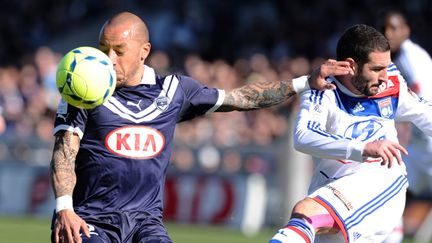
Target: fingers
[[69, 235], [76, 235], [389, 152], [85, 229], [56, 235], [333, 67], [402, 149], [330, 86], [386, 156]]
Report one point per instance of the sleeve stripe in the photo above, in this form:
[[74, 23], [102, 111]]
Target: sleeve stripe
[[316, 96], [75, 130], [315, 127], [219, 101]]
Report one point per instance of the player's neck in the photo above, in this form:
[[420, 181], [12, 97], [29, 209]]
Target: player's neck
[[136, 78]]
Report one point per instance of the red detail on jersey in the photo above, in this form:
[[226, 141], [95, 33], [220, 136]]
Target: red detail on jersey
[[136, 142], [388, 88], [368, 160], [335, 216], [300, 233]]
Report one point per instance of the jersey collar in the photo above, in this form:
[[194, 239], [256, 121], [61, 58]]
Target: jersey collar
[[149, 76]]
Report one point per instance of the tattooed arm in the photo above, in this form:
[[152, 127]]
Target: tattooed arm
[[265, 94], [257, 95], [68, 224], [63, 163]]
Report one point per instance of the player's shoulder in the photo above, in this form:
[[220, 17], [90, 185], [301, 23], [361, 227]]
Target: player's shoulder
[[177, 77], [317, 96]]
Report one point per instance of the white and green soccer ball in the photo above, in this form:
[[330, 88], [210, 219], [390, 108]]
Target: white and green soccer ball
[[85, 77]]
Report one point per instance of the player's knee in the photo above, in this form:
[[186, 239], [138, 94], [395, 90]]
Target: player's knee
[[307, 207], [316, 215]]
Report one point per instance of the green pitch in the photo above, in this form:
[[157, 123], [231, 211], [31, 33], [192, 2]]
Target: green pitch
[[35, 230]]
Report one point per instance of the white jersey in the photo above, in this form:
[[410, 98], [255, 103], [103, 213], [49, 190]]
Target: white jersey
[[334, 125], [415, 65], [365, 198]]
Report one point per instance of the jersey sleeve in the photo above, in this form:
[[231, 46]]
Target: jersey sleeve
[[70, 118], [414, 109], [198, 99], [311, 135]]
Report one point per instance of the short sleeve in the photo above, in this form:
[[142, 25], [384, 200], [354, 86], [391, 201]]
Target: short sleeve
[[70, 118], [198, 99]]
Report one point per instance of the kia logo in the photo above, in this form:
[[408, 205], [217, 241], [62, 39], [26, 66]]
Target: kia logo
[[136, 142]]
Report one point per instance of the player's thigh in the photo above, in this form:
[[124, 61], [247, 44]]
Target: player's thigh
[[155, 239], [151, 230]]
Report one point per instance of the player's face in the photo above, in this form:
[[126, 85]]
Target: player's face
[[372, 74], [396, 31], [125, 51]]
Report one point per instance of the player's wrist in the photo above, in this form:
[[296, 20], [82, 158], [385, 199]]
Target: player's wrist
[[64, 202], [301, 84]]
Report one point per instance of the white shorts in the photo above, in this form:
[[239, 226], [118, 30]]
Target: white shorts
[[366, 205]]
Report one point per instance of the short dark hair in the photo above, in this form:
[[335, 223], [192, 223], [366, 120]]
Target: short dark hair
[[358, 41]]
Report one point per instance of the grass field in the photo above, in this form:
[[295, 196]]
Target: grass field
[[34, 230]]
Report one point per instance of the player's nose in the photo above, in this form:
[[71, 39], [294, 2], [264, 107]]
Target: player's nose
[[113, 56], [383, 75]]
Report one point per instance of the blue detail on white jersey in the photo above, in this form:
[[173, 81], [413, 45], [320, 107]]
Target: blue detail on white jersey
[[315, 127], [316, 96], [376, 203], [367, 106], [363, 130], [301, 225]]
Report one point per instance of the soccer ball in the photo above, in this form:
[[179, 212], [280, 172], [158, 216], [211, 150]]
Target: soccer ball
[[85, 77]]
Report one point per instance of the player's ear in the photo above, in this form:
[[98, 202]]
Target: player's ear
[[145, 51], [352, 63]]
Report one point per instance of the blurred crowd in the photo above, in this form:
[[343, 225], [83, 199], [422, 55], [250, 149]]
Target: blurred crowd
[[215, 29], [223, 44]]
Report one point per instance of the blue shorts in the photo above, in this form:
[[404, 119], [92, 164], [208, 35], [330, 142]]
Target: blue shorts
[[123, 227]]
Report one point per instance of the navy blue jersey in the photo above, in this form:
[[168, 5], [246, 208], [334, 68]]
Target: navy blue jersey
[[126, 143]]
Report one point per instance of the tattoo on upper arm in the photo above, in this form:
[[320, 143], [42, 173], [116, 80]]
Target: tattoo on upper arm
[[62, 165], [258, 95]]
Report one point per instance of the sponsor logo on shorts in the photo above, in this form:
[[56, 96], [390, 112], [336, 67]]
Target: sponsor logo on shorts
[[341, 197], [136, 142]]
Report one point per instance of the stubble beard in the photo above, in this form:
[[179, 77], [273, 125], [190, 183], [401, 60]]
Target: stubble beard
[[361, 84]]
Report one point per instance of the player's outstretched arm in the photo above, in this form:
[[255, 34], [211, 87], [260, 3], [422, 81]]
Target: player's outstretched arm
[[267, 93], [386, 150], [68, 224]]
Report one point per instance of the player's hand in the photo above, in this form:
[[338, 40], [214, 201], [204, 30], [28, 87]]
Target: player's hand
[[67, 227], [386, 150], [317, 79]]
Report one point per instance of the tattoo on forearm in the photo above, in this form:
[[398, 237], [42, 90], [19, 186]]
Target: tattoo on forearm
[[258, 95], [63, 164]]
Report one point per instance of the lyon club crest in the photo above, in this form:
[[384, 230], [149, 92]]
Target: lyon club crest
[[386, 107]]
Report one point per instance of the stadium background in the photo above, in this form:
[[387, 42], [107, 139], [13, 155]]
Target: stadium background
[[234, 170]]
